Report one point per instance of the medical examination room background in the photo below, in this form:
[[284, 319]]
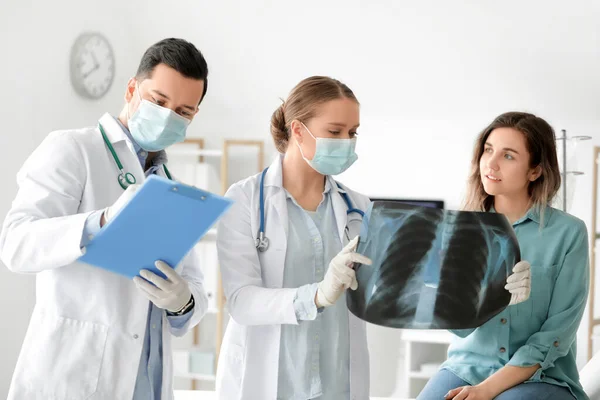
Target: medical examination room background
[[429, 75]]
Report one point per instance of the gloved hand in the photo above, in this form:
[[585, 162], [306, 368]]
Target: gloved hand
[[123, 199], [340, 275], [171, 294], [519, 283]]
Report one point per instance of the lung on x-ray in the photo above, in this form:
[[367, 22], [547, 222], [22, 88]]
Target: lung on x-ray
[[432, 268]]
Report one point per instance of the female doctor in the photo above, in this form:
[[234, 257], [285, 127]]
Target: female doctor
[[286, 249]]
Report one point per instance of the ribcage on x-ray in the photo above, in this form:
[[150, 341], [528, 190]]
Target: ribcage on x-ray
[[461, 274], [407, 249], [495, 299], [440, 269]]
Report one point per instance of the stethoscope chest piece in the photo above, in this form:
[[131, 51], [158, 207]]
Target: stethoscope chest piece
[[126, 179], [262, 242]]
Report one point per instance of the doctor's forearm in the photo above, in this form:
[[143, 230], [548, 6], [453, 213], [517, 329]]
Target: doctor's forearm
[[29, 245], [254, 305]]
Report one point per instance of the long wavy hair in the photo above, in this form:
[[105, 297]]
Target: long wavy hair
[[541, 145]]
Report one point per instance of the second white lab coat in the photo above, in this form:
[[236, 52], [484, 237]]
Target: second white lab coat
[[258, 305], [87, 330]]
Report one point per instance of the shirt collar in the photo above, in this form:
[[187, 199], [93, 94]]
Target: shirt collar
[[533, 214], [126, 131], [325, 191]]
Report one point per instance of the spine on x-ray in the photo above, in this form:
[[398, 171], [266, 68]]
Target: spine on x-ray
[[461, 274]]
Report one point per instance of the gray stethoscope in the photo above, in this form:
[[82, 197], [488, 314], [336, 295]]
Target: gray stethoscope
[[262, 242], [125, 178]]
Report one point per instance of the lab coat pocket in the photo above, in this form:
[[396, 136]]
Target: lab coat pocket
[[60, 359], [235, 354]]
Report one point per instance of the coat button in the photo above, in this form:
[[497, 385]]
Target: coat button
[[502, 350], [556, 344], [503, 320], [135, 336]]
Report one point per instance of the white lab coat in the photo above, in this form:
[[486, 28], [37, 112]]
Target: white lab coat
[[87, 329], [252, 281]]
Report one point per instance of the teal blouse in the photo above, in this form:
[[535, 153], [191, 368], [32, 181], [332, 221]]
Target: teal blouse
[[543, 329]]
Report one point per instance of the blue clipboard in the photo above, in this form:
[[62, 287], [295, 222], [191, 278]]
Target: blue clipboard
[[163, 221]]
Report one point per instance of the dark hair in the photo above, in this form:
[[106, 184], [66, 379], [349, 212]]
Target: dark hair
[[541, 145], [302, 104], [178, 54]]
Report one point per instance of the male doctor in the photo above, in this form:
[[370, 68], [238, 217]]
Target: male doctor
[[95, 334]]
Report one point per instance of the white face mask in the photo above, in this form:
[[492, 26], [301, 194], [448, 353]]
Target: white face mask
[[154, 127], [332, 156]]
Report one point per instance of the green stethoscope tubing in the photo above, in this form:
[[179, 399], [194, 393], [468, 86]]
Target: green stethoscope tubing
[[125, 179]]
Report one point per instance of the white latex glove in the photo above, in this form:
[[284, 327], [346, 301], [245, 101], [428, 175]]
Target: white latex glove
[[172, 294], [123, 199], [340, 275], [519, 283]]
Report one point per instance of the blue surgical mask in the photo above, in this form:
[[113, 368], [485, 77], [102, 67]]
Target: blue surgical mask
[[332, 156], [154, 127]]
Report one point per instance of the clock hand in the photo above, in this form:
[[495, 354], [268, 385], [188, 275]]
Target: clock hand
[[95, 59], [90, 71]]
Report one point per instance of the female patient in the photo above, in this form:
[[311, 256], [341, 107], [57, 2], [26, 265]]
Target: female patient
[[528, 350]]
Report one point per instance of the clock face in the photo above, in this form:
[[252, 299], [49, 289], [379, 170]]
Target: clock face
[[92, 65]]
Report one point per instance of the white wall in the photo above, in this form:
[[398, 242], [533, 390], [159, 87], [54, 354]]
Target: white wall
[[429, 76]]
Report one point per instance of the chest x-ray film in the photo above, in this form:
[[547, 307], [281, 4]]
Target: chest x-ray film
[[432, 268]]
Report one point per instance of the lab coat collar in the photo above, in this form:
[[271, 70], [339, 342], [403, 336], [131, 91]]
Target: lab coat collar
[[332, 183], [113, 130], [274, 176], [136, 146], [343, 219]]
